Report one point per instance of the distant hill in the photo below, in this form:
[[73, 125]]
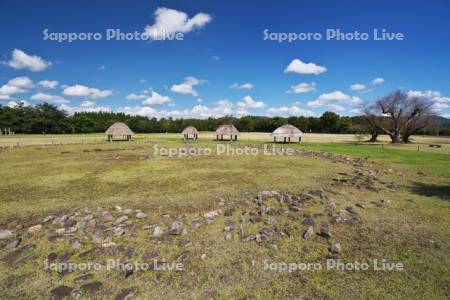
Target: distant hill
[[438, 120]]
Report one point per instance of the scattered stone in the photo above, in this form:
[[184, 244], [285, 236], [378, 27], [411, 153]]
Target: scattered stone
[[76, 294], [331, 206], [126, 294], [229, 212], [48, 218], [325, 233], [60, 292], [107, 216], [203, 256], [176, 228], [149, 256], [118, 231], [35, 228], [228, 236], [108, 244], [212, 214], [272, 246], [308, 233], [70, 230], [141, 215], [351, 210], [209, 221], [229, 225], [360, 205], [118, 208], [14, 243], [91, 287], [84, 277], [335, 248], [255, 218], [121, 219], [196, 224], [88, 218], [309, 221], [158, 231], [6, 234], [127, 211], [185, 244], [92, 223]]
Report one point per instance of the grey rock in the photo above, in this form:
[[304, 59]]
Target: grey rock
[[35, 228], [360, 205], [121, 219], [150, 256], [6, 234], [126, 294], [309, 221], [308, 233], [176, 228], [88, 217], [141, 215], [335, 248], [196, 224], [212, 214], [118, 231], [158, 231], [229, 212], [14, 243], [127, 211], [60, 292], [48, 218], [228, 236], [76, 294], [91, 287], [229, 225], [84, 277], [325, 233], [107, 216]]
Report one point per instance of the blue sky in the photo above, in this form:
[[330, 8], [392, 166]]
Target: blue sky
[[223, 65]]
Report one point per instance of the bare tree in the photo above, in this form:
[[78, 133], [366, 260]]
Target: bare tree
[[406, 115]]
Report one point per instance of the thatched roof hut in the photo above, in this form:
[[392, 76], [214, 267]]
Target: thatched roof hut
[[227, 130], [287, 131], [190, 130], [119, 129]]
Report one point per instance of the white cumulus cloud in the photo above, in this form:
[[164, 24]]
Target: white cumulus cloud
[[377, 81], [49, 98], [357, 87], [171, 21], [156, 99], [303, 87], [297, 66], [332, 98], [248, 102], [22, 61], [48, 84], [187, 86], [84, 91], [244, 86]]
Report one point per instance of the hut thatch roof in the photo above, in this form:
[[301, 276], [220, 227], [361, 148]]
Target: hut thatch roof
[[227, 130], [119, 128], [190, 130], [287, 130]]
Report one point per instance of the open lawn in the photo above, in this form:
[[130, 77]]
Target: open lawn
[[387, 203]]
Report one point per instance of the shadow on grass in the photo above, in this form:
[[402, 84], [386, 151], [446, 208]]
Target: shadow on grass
[[441, 191]]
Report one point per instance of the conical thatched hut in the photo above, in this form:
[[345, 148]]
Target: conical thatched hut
[[287, 131], [119, 129], [227, 130], [190, 130]]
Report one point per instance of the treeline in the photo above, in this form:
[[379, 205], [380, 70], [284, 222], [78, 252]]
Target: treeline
[[46, 118]]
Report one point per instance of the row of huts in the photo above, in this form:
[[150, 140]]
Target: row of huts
[[287, 132]]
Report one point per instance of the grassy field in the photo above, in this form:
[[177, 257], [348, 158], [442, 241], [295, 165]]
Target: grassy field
[[405, 194]]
